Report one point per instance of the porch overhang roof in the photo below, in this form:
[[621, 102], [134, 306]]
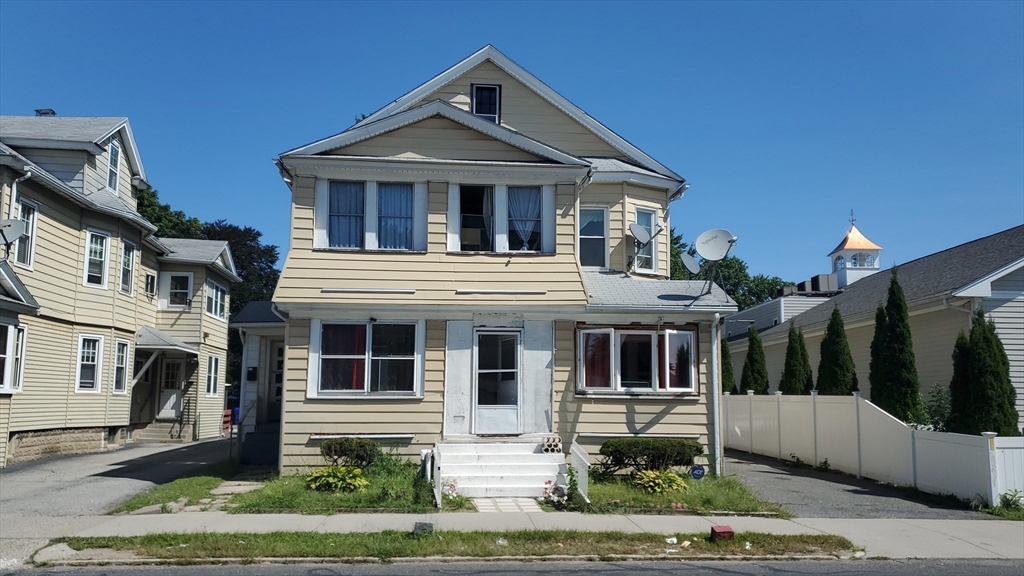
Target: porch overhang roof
[[620, 292], [153, 339]]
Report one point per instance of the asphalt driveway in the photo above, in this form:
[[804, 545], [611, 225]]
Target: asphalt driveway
[[812, 494]]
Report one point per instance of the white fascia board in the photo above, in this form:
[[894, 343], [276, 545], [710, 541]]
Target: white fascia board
[[632, 177], [420, 170], [982, 287], [128, 138], [49, 144], [532, 82], [345, 309], [438, 108]]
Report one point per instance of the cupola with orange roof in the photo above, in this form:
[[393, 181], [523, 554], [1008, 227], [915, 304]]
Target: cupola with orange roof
[[855, 257]]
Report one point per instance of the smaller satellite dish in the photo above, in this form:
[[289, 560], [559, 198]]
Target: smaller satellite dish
[[642, 235], [714, 245], [11, 230], [690, 263]]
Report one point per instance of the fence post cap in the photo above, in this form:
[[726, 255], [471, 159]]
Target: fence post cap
[[814, 392], [778, 392], [750, 392], [728, 393], [856, 394], [989, 434]]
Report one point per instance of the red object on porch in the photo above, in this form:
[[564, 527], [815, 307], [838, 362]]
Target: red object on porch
[[225, 424], [719, 533]]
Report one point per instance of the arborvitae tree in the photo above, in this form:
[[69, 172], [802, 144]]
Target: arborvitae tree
[[728, 380], [806, 359], [899, 367], [755, 372], [837, 375], [793, 379], [876, 380], [990, 380], [963, 411]]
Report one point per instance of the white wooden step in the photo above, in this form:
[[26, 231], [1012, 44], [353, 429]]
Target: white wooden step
[[488, 458], [491, 448]]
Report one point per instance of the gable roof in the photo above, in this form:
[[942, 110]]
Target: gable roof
[[207, 252], [619, 290], [365, 131], [102, 200], [854, 240], [258, 312], [931, 277], [492, 54], [71, 133]]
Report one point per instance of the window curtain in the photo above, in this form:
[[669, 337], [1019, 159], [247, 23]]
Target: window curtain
[[394, 209], [345, 220], [524, 212]]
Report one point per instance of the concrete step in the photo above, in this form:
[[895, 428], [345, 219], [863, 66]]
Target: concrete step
[[487, 480], [504, 459], [469, 469], [500, 469], [491, 448]]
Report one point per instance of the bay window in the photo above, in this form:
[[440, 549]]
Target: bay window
[[628, 361], [647, 257], [365, 359]]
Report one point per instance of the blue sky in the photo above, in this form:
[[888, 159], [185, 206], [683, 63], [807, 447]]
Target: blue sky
[[782, 116]]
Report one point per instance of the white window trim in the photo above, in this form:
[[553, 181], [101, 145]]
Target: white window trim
[[19, 202], [99, 364], [617, 342], [163, 289], [654, 240], [472, 104], [607, 238], [7, 384], [117, 169], [212, 376], [120, 268], [371, 218], [693, 362], [616, 389], [500, 218], [156, 285], [211, 291], [581, 360], [313, 368], [475, 402], [127, 362], [106, 259]]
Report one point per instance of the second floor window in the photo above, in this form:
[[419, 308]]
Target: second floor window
[[524, 218], [647, 257], [476, 211], [127, 267], [175, 290], [212, 374], [216, 299], [594, 237], [394, 216], [113, 165], [24, 247], [96, 246], [345, 217], [370, 215]]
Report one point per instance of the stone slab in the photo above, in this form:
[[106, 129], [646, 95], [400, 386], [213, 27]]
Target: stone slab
[[56, 552]]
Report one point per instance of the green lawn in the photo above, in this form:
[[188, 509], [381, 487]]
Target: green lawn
[[711, 494], [195, 487], [395, 485], [385, 545]]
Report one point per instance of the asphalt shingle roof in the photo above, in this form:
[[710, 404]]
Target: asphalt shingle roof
[[153, 339], [616, 165], [618, 289], [257, 312], [67, 129], [207, 251], [923, 279]]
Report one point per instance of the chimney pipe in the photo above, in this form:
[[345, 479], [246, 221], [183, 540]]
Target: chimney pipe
[[47, 112]]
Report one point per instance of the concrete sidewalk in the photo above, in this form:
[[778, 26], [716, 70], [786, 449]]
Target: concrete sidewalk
[[891, 538]]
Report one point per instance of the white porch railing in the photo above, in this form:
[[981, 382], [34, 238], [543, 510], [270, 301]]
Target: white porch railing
[[579, 461], [435, 464], [857, 437]]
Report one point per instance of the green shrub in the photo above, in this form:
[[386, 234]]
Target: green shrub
[[640, 454], [355, 452], [659, 481], [337, 479]]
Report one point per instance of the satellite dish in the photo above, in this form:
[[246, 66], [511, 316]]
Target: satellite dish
[[11, 230], [691, 263], [715, 244], [642, 236]]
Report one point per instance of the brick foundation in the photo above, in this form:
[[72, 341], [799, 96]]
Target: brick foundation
[[25, 446]]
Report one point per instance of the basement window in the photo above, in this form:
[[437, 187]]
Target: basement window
[[487, 102]]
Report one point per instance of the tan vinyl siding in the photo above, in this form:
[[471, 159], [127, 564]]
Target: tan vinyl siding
[[216, 328], [434, 275], [591, 415], [301, 417], [185, 325], [209, 409], [67, 165], [524, 111], [1008, 315], [438, 137], [622, 201], [96, 173]]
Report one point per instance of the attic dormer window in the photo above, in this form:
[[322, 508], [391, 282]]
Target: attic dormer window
[[487, 101], [113, 163]]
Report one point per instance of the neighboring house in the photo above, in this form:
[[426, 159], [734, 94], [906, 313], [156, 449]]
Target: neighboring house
[[111, 347], [456, 279], [768, 314], [261, 329], [942, 290]]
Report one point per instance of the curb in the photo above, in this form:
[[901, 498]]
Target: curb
[[440, 559]]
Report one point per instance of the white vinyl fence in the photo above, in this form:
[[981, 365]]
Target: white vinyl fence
[[857, 437]]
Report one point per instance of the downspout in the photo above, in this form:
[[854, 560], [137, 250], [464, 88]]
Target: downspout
[[14, 191], [715, 391]]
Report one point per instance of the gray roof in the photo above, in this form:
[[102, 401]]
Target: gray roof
[[65, 129], [257, 312], [615, 289], [13, 293], [930, 277], [199, 252], [153, 339], [616, 165]]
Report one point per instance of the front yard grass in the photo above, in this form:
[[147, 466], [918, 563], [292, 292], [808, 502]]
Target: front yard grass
[[395, 486], [194, 487], [710, 494], [191, 548]]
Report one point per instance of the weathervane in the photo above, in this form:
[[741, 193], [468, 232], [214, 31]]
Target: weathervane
[[852, 219]]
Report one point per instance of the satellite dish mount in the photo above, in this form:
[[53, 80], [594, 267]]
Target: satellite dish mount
[[642, 238], [713, 246], [10, 232]]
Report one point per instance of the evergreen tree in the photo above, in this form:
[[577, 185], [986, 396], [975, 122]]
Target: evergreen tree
[[755, 371], [806, 359], [899, 367], [728, 380], [793, 378], [876, 381], [990, 380], [963, 411], [837, 375]]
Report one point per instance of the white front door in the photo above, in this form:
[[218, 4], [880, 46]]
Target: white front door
[[169, 407], [497, 396]]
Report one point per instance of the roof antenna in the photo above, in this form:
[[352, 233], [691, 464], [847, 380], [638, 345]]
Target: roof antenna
[[853, 221]]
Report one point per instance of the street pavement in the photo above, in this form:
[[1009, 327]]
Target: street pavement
[[811, 493]]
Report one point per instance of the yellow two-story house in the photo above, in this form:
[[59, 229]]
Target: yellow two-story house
[[462, 280], [107, 333]]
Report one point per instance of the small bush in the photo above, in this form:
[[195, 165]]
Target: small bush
[[659, 481], [353, 452], [641, 454], [337, 479]]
